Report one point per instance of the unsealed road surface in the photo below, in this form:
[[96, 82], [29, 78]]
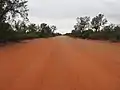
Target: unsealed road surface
[[60, 63]]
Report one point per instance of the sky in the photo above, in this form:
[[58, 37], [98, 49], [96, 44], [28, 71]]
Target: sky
[[63, 13]]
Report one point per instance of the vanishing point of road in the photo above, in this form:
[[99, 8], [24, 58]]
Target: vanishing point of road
[[60, 63]]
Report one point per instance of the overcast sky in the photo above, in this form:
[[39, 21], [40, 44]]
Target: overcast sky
[[63, 13]]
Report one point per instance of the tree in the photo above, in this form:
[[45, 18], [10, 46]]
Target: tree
[[20, 26], [32, 28], [109, 28], [10, 9], [82, 23], [53, 28], [117, 28], [87, 33], [38, 28], [98, 21], [45, 29]]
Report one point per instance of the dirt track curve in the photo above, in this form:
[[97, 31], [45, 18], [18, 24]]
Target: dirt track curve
[[60, 63]]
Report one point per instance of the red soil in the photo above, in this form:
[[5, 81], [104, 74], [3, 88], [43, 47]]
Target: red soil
[[60, 63]]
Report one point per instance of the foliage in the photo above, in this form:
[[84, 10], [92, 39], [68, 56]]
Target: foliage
[[53, 28], [10, 9], [82, 23], [98, 21], [13, 10], [6, 32], [96, 29]]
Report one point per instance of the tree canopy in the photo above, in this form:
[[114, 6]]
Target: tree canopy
[[13, 25], [82, 23], [96, 28], [98, 21], [12, 9]]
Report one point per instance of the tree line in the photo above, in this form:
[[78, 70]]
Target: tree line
[[96, 28], [15, 25]]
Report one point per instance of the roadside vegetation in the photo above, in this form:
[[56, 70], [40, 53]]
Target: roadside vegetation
[[97, 28], [15, 25]]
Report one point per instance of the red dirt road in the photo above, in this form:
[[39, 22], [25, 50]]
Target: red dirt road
[[60, 63]]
